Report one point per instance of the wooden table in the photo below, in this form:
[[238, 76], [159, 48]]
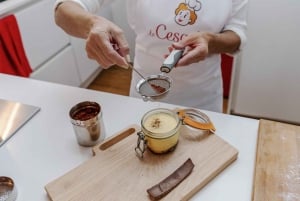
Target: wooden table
[[277, 170]]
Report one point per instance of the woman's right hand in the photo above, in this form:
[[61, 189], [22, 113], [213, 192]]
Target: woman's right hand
[[106, 43]]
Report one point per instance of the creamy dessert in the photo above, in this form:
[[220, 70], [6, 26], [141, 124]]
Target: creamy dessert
[[161, 130], [161, 122]]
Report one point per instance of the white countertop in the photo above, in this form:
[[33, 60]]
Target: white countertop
[[46, 148]]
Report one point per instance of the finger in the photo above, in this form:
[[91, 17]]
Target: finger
[[93, 46], [96, 52], [189, 40], [100, 43], [170, 49], [92, 54], [178, 45], [118, 37], [193, 56], [112, 54]]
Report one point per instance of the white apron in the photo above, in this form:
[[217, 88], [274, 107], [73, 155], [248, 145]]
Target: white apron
[[160, 23]]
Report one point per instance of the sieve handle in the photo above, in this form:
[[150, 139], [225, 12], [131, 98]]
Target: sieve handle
[[171, 61]]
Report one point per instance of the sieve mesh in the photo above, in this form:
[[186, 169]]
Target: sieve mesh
[[154, 86]]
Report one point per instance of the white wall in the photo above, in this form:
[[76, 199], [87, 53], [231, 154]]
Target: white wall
[[119, 16], [267, 75]]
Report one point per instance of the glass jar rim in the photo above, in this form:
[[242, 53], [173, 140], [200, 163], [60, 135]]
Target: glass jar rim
[[161, 135]]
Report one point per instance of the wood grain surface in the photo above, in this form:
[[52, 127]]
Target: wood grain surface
[[277, 170], [116, 173]]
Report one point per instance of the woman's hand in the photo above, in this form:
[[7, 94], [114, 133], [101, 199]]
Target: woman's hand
[[106, 43], [199, 45], [195, 48]]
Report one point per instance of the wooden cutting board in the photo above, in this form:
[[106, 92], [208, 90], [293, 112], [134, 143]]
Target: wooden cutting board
[[116, 173], [277, 170]]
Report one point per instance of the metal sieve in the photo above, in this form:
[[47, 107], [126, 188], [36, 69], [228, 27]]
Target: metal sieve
[[154, 87], [157, 86]]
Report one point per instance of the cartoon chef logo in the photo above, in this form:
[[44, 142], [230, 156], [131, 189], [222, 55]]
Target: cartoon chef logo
[[186, 12]]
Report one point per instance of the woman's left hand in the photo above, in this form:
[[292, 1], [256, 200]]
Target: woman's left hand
[[198, 46], [195, 47]]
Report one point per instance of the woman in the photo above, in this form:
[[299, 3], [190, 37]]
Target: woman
[[203, 28]]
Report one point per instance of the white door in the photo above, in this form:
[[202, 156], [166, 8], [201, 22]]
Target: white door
[[267, 75]]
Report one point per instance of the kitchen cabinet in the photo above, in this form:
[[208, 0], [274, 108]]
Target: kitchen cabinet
[[59, 69], [266, 74], [11, 5], [87, 69], [41, 38], [53, 55], [48, 48]]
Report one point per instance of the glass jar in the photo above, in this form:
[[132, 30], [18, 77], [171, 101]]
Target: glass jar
[[159, 130]]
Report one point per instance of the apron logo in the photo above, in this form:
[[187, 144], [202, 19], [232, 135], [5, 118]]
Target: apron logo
[[186, 12]]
